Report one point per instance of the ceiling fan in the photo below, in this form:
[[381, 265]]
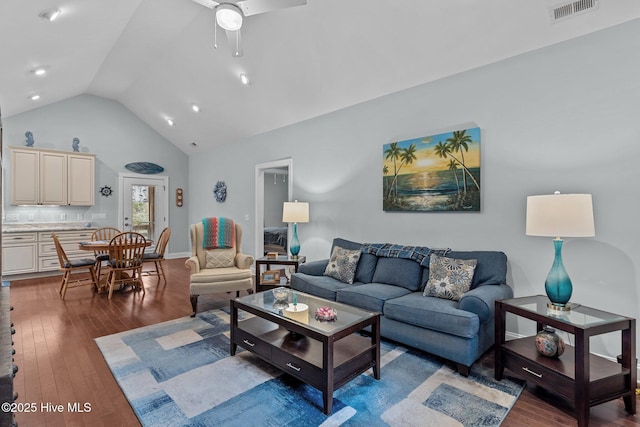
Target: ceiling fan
[[229, 15]]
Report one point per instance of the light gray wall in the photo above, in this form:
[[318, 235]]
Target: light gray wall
[[117, 137], [561, 118]]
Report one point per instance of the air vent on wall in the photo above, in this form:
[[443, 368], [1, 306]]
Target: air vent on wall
[[563, 11]]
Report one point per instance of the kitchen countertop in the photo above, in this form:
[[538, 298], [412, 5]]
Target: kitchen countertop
[[23, 227]]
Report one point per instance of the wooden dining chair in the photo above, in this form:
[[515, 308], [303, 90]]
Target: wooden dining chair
[[68, 267], [106, 234], [157, 256], [125, 256]]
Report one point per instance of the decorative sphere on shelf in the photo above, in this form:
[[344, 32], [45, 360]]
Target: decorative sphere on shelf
[[548, 343]]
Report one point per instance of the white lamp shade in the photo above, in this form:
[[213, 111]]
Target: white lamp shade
[[295, 212], [229, 17], [560, 215]]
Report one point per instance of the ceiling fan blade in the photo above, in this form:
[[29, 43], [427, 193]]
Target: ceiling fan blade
[[208, 3], [234, 39], [254, 7]]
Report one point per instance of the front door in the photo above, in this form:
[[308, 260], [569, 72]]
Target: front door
[[143, 205]]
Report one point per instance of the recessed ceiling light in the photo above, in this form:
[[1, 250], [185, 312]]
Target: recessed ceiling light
[[195, 108], [170, 122], [50, 14], [244, 79], [35, 97], [39, 71]]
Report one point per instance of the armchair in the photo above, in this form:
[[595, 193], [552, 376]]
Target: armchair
[[217, 270]]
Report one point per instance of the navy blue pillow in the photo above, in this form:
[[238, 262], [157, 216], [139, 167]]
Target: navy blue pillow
[[399, 272]]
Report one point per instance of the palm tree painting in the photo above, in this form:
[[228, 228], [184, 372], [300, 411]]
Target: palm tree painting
[[433, 173]]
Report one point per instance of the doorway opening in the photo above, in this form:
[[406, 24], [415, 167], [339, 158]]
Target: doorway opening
[[280, 172]]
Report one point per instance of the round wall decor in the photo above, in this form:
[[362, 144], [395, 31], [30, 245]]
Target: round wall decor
[[220, 191], [106, 191]]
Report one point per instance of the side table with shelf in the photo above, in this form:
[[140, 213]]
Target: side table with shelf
[[268, 262], [579, 376]]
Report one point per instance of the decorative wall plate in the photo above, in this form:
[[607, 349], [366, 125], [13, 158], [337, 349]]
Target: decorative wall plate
[[144, 167], [220, 191], [106, 191]]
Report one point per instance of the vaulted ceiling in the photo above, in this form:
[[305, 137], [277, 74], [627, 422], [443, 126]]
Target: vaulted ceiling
[[157, 57]]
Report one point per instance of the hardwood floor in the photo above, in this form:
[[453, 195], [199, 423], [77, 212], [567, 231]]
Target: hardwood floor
[[59, 362]]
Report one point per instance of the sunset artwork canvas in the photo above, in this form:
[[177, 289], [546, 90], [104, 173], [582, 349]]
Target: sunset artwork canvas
[[433, 173]]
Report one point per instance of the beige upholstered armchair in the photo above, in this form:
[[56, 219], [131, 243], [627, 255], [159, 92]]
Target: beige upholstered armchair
[[217, 270]]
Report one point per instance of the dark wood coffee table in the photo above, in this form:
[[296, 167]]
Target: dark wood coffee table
[[325, 355]]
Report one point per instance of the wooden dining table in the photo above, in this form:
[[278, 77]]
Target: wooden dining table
[[102, 246]]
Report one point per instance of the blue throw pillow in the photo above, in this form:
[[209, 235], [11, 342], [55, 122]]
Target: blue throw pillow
[[398, 272]]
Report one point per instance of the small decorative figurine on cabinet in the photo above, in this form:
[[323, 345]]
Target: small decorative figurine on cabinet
[[75, 144], [30, 139]]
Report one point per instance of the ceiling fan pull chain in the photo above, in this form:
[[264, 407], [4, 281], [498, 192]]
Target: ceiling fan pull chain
[[237, 43], [215, 33]]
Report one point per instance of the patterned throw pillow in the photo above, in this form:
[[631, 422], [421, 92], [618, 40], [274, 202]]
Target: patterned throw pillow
[[342, 264], [449, 278], [220, 258]]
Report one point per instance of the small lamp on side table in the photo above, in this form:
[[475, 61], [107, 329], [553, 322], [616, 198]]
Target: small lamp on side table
[[295, 212], [556, 215]]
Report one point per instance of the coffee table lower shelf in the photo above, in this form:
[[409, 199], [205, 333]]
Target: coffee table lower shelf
[[323, 366]]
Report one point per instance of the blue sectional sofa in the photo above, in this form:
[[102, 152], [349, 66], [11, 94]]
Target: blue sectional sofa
[[460, 331]]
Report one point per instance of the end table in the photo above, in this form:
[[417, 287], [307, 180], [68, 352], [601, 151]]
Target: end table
[[579, 376], [268, 262]]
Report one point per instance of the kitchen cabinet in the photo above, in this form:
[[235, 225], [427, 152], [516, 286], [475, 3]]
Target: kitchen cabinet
[[81, 175], [19, 253], [51, 177], [70, 240]]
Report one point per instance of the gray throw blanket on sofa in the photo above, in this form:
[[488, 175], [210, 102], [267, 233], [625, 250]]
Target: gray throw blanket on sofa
[[419, 254]]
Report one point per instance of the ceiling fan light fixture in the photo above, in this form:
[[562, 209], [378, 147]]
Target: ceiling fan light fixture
[[50, 14], [229, 16]]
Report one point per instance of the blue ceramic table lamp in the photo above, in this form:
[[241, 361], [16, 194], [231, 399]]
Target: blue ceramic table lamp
[[560, 215], [295, 212]]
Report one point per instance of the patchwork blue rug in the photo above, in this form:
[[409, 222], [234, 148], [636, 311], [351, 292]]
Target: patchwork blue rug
[[179, 373]]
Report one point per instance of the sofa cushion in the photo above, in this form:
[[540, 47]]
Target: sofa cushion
[[432, 313], [220, 258], [398, 272], [342, 264], [449, 278], [322, 286], [491, 268], [369, 296], [366, 265]]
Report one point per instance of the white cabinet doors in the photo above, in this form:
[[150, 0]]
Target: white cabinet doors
[[53, 178], [50, 177], [25, 177], [19, 253], [81, 180]]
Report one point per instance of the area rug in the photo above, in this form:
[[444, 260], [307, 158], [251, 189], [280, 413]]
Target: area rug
[[179, 373]]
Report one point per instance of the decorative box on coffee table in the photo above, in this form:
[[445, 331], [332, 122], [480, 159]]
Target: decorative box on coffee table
[[577, 375]]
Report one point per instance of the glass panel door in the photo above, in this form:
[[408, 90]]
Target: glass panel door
[[143, 204]]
